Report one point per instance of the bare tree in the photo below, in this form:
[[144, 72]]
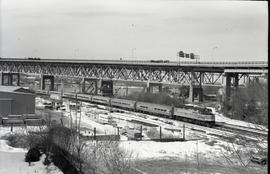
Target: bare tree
[[106, 157], [239, 151]]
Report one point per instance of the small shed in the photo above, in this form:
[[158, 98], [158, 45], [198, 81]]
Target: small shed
[[16, 100]]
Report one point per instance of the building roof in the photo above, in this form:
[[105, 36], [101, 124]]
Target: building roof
[[14, 89]]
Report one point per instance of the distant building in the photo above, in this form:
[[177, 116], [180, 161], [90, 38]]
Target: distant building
[[15, 100]]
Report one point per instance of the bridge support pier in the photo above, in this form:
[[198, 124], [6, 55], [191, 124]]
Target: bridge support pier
[[90, 86], [191, 94], [195, 90], [126, 90], [7, 79], [107, 87], [150, 87], [59, 86], [44, 78], [199, 92], [229, 77]]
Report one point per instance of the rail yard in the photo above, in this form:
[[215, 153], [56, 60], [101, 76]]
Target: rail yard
[[220, 135]]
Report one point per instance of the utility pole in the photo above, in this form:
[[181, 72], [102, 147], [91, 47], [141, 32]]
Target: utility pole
[[160, 133], [76, 110], [184, 132], [70, 116], [197, 157], [80, 117]]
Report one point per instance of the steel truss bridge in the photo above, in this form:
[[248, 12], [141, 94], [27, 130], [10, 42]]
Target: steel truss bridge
[[152, 73], [170, 72]]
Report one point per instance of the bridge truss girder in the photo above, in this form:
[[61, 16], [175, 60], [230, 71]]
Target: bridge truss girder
[[176, 75]]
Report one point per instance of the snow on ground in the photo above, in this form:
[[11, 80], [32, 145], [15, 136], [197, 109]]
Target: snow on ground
[[16, 130], [13, 163], [221, 118], [213, 153], [19, 130], [86, 121], [4, 147], [152, 149], [12, 159]]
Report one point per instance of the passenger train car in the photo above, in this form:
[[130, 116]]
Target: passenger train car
[[100, 100], [123, 103], [84, 97], [69, 95], [154, 108], [190, 113]]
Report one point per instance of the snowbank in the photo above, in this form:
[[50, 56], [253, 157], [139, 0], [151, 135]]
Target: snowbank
[[222, 118], [12, 159], [151, 149], [13, 163], [4, 147]]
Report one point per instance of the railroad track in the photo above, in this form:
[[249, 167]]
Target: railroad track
[[242, 129], [227, 130], [219, 129]]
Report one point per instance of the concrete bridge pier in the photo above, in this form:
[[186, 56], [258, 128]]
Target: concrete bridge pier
[[195, 90], [228, 89], [107, 87], [7, 79], [90, 86], [44, 78], [229, 84], [150, 87], [126, 90]]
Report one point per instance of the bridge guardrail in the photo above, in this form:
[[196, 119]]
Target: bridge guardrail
[[131, 61]]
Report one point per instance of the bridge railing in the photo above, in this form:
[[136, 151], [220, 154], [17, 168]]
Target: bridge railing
[[134, 61], [229, 62]]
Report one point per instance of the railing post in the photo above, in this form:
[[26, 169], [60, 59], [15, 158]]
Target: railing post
[[95, 133], [11, 128], [160, 133], [141, 132], [184, 132]]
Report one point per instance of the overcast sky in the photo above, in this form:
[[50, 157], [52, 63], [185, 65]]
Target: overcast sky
[[142, 29]]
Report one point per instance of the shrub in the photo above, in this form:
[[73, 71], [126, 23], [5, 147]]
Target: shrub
[[47, 161], [211, 143], [32, 155], [153, 133], [17, 140]]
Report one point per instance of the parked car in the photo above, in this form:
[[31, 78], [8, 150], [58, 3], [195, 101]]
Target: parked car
[[259, 160]]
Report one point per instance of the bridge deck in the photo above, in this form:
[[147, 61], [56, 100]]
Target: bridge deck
[[204, 64]]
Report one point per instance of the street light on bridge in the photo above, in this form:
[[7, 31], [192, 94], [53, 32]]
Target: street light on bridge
[[213, 49], [192, 56]]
